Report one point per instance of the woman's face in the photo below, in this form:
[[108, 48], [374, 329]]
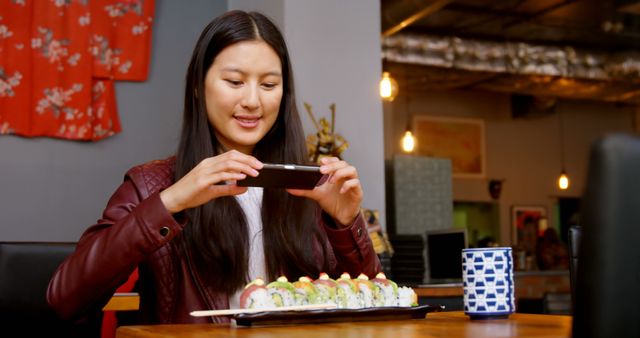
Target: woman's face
[[243, 90]]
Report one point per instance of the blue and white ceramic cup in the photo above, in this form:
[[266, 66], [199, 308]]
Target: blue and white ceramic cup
[[487, 278]]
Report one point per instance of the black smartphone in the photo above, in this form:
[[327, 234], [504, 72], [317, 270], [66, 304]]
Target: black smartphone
[[292, 176]]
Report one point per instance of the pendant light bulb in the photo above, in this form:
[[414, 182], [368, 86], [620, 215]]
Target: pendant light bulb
[[408, 142], [563, 181], [388, 87]]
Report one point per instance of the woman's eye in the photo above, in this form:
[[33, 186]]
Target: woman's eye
[[269, 85], [234, 82]]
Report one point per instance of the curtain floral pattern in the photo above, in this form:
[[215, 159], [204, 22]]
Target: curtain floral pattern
[[59, 60]]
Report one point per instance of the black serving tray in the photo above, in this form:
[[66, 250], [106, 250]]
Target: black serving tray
[[334, 315]]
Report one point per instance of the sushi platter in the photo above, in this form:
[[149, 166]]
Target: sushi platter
[[324, 300]]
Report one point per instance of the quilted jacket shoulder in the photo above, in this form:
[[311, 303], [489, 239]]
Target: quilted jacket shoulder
[[153, 176]]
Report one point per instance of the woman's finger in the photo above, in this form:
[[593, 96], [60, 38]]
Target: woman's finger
[[299, 192], [352, 184], [229, 156], [326, 164], [217, 178], [233, 166], [333, 166], [228, 190], [327, 160], [243, 158], [341, 174]]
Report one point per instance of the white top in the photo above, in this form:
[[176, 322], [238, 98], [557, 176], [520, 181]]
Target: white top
[[251, 203]]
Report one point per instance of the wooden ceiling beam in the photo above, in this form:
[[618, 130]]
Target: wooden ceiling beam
[[426, 11], [539, 13]]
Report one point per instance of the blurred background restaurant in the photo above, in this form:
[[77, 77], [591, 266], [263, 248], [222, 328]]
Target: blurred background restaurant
[[500, 98]]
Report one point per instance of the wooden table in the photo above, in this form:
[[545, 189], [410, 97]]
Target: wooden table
[[436, 325]]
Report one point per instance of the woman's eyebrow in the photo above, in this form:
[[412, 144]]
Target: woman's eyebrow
[[233, 69], [274, 73], [238, 70]]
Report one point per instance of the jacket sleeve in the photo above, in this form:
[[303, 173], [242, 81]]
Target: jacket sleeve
[[352, 247], [131, 228]]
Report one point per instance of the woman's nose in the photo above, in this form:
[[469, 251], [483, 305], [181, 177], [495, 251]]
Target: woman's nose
[[251, 99]]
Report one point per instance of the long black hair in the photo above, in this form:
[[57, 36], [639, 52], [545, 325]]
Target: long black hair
[[217, 234]]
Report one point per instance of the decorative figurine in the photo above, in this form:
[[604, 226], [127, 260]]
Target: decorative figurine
[[325, 143]]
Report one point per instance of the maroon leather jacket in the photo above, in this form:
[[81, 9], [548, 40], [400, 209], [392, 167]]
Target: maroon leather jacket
[[136, 230]]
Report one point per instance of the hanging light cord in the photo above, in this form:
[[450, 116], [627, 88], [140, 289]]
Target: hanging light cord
[[561, 119], [409, 114]]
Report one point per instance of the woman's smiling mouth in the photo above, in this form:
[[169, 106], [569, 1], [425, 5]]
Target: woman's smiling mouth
[[247, 121]]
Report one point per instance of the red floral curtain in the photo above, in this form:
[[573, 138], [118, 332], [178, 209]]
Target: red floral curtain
[[59, 60]]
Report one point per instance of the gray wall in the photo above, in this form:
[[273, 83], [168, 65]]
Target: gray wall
[[335, 47], [51, 190], [523, 152], [335, 51]]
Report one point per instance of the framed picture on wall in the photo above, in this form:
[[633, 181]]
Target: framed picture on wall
[[525, 222], [459, 139]]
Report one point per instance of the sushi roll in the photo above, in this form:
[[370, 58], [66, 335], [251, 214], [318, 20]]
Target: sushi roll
[[281, 292], [305, 292], [255, 296], [347, 293], [407, 297], [388, 290], [368, 293], [326, 289]]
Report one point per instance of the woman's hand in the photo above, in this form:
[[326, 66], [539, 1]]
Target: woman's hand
[[211, 178], [340, 196]]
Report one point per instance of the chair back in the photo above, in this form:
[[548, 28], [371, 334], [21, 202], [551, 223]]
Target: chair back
[[608, 283], [575, 232], [556, 303], [25, 271]]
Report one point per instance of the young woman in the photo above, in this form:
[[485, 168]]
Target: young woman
[[195, 236]]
